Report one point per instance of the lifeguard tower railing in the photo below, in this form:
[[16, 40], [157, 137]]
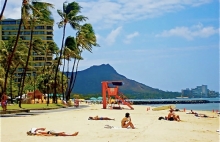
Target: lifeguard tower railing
[[113, 92]]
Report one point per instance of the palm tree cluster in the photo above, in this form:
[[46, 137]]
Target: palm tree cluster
[[49, 78]]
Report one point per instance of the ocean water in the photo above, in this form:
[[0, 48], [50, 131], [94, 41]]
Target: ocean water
[[188, 107]]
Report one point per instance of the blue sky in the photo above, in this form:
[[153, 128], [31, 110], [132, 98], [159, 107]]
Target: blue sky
[[166, 44]]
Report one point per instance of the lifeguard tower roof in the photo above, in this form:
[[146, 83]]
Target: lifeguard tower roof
[[116, 83]]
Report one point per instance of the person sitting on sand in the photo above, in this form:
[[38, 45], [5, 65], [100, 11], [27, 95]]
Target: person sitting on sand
[[99, 118], [126, 121], [172, 116], [43, 132]]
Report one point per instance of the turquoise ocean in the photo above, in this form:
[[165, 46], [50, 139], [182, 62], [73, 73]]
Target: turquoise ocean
[[188, 107]]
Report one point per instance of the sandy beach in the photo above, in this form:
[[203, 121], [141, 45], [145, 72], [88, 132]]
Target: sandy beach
[[149, 128]]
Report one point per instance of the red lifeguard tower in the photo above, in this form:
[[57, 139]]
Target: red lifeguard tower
[[113, 91]]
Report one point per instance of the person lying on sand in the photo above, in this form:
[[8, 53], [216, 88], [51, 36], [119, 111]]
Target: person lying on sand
[[172, 116], [203, 115], [43, 132], [175, 109], [99, 118], [126, 121]]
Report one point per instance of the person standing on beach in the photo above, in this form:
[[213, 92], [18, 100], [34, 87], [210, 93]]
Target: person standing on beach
[[126, 121], [4, 101]]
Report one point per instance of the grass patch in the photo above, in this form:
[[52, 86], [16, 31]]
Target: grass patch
[[33, 106]]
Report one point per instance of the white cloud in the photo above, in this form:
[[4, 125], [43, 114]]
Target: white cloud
[[106, 13], [113, 35], [190, 32], [130, 37]]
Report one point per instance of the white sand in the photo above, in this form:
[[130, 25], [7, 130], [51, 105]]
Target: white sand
[[149, 128]]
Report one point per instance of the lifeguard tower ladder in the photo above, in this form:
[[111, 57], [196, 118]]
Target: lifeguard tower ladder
[[112, 92]]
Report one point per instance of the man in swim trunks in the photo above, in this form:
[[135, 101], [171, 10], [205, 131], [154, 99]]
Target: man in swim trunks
[[126, 121], [43, 132], [4, 101], [172, 116], [99, 118]]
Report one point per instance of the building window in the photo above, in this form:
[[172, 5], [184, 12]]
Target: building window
[[49, 38], [8, 22], [5, 38], [39, 27], [49, 27], [49, 33]]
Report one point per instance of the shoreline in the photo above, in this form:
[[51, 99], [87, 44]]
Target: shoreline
[[149, 128]]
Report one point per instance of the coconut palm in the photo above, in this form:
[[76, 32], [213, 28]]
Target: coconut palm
[[69, 14], [68, 54], [39, 15], [24, 14], [2, 73], [85, 40], [18, 59], [3, 9], [49, 48], [71, 45], [26, 9]]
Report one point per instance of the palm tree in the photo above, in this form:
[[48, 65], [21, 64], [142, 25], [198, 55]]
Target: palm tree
[[68, 54], [24, 15], [19, 56], [49, 48], [69, 14], [39, 15], [3, 9], [2, 73], [85, 40]]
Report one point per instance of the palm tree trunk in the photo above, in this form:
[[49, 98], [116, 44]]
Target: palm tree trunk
[[12, 54], [11, 89], [58, 63], [75, 76], [71, 79], [3, 9], [45, 61], [63, 73], [67, 75], [26, 65]]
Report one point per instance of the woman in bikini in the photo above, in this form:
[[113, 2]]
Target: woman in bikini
[[126, 121]]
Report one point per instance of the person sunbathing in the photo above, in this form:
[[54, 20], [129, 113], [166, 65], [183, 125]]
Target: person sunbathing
[[172, 116], [203, 115], [43, 132], [99, 118], [126, 121]]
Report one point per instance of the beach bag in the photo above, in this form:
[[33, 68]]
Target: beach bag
[[161, 118]]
